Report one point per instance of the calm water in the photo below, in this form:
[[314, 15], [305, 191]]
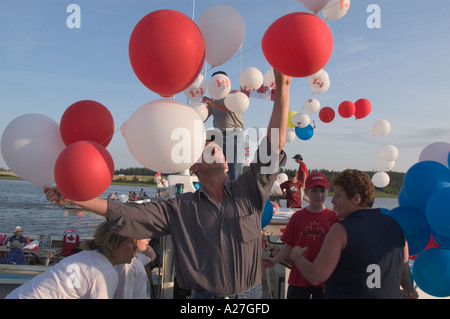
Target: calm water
[[23, 204]]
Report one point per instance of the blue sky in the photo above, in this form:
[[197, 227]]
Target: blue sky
[[402, 68]]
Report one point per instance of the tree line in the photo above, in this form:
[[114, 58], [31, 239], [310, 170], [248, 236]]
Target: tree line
[[395, 184]]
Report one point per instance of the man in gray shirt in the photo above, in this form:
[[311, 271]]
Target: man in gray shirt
[[215, 231]]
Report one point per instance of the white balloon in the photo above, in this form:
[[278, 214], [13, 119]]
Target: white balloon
[[311, 106], [269, 78], [276, 189], [219, 86], [223, 30], [282, 177], [437, 152], [320, 83], [381, 128], [380, 179], [165, 135], [237, 102], [383, 165], [251, 79], [197, 89], [290, 134], [335, 9], [201, 109], [301, 120], [314, 5], [30, 146], [388, 153]]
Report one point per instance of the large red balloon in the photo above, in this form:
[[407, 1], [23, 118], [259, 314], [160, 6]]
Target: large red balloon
[[298, 44], [83, 171], [87, 120], [346, 109], [326, 114], [363, 107], [166, 51]]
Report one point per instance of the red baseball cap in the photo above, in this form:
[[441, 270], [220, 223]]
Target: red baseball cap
[[316, 179]]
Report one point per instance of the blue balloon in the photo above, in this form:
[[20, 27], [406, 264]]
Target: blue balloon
[[414, 226], [438, 212], [304, 133], [422, 180], [443, 242], [431, 271], [402, 199], [267, 214]]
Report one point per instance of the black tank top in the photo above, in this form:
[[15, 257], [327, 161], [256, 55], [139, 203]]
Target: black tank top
[[371, 263]]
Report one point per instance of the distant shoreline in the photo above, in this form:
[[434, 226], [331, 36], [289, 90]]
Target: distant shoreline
[[13, 177]]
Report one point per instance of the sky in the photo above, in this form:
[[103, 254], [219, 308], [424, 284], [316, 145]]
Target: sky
[[401, 66]]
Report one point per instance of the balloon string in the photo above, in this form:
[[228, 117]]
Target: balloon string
[[193, 10]]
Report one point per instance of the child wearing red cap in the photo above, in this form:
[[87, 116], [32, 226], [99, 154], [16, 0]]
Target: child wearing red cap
[[306, 228]]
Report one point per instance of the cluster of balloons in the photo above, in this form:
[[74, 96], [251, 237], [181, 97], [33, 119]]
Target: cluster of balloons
[[72, 154], [85, 169], [424, 215], [359, 109], [169, 42]]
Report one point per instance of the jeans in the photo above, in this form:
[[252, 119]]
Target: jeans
[[252, 293]]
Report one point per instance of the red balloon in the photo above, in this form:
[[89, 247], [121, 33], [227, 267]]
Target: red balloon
[[363, 107], [83, 171], [346, 109], [87, 120], [326, 114], [298, 44], [166, 51]]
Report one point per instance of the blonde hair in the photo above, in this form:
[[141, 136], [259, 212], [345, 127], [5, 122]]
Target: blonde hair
[[105, 240]]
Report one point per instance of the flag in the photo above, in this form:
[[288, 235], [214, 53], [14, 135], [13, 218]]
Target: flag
[[264, 93]]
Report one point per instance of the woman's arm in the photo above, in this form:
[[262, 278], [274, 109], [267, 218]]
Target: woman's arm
[[321, 269]]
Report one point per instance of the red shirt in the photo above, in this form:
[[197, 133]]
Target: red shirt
[[292, 193], [302, 171], [307, 229]]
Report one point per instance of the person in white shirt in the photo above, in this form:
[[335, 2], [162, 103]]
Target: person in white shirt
[[89, 274], [133, 278]]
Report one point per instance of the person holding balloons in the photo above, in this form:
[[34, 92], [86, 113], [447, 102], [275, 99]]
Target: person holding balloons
[[216, 231], [365, 256], [231, 125]]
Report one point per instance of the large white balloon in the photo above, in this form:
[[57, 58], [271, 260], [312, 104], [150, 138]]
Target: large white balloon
[[30, 147], [237, 102], [282, 177], [197, 89], [437, 152], [314, 5], [335, 9], [311, 106], [219, 86], [223, 30], [388, 153], [251, 79], [301, 119], [380, 179], [381, 128], [166, 136]]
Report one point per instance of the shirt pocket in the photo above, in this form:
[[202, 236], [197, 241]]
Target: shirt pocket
[[249, 228]]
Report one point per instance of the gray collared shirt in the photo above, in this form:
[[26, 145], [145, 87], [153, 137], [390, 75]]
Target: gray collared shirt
[[217, 247]]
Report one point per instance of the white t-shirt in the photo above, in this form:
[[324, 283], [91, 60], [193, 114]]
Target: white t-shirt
[[85, 275], [133, 279]]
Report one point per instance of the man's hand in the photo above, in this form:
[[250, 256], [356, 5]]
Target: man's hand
[[54, 196]]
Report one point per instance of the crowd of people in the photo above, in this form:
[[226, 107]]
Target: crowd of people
[[216, 233]]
